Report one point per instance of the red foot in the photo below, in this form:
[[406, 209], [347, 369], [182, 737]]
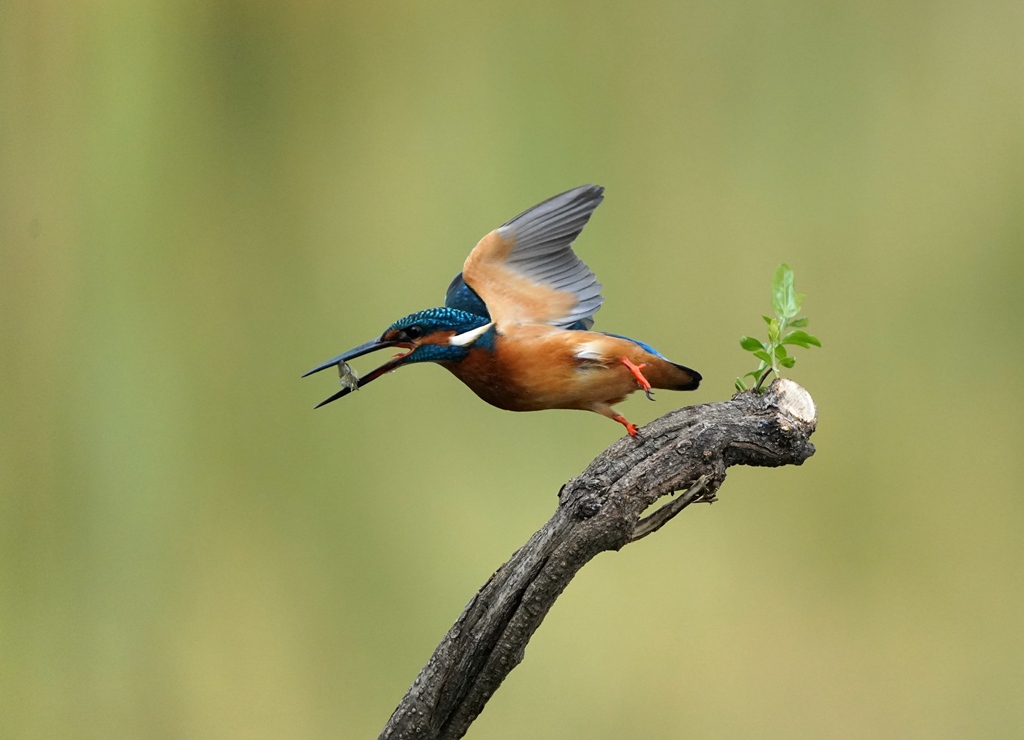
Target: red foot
[[631, 428], [641, 381]]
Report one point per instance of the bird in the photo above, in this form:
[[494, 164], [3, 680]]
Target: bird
[[516, 325]]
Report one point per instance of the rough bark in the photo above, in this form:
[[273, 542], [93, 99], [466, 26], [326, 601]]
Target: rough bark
[[688, 449]]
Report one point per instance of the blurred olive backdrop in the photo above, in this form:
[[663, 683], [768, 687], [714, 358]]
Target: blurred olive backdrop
[[200, 200]]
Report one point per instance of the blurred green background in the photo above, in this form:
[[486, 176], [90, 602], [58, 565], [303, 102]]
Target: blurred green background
[[200, 200]]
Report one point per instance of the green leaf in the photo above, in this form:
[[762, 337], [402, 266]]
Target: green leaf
[[755, 374], [740, 385], [773, 331], [782, 289], [800, 322], [762, 355], [767, 319], [785, 300], [801, 338], [780, 351], [750, 344], [787, 361]]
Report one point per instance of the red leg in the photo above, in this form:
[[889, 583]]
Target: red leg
[[641, 381], [606, 410], [631, 428]]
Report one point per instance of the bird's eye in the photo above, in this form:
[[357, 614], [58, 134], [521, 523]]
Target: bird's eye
[[414, 332]]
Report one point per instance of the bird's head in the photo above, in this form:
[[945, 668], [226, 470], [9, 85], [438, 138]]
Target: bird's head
[[434, 335]]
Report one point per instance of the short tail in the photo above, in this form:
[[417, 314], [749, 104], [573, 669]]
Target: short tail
[[686, 379]]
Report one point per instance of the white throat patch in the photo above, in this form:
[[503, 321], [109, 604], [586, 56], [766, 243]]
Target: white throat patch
[[467, 338]]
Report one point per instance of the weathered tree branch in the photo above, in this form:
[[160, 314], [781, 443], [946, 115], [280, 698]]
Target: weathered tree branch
[[601, 509]]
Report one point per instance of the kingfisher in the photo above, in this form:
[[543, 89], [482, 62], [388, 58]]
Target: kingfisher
[[516, 325]]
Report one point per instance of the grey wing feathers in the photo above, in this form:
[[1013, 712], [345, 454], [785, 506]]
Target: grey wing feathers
[[543, 238]]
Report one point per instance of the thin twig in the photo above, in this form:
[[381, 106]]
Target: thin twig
[[657, 520]]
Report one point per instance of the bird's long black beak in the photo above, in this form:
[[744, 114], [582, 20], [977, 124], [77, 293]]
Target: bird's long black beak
[[372, 346], [363, 349]]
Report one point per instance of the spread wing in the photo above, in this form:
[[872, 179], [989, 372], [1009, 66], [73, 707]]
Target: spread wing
[[526, 271]]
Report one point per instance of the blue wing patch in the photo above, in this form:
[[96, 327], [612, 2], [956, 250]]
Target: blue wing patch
[[645, 345], [464, 298]]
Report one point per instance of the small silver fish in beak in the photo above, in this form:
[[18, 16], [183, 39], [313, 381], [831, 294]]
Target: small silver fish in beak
[[349, 378]]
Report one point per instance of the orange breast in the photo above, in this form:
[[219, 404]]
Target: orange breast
[[539, 367]]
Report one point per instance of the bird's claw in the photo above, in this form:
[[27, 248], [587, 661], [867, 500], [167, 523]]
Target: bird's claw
[[631, 429], [641, 381]]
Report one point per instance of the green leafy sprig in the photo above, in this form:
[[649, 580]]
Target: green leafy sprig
[[772, 354]]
